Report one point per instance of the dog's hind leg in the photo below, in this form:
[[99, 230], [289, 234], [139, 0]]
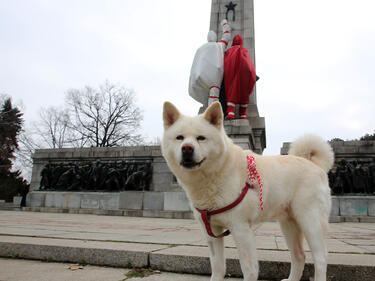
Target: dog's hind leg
[[294, 240], [312, 229], [217, 258], [244, 238]]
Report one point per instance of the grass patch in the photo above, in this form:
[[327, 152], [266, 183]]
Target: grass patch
[[139, 272]]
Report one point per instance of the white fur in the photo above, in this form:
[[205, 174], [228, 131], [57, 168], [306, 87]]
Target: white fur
[[295, 191], [313, 148]]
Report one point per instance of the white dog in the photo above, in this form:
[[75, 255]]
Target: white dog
[[215, 173]]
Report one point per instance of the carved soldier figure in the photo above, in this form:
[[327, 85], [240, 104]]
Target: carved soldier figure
[[57, 171], [343, 181], [113, 179], [371, 172], [359, 178], [66, 178], [45, 174], [331, 180]]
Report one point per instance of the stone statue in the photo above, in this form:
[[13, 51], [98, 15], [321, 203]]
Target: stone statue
[[113, 178], [57, 171], [359, 178], [239, 78], [45, 174], [343, 182], [371, 179], [207, 70], [66, 178], [331, 179]]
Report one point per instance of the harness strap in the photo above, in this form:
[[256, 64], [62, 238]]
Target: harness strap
[[205, 215]]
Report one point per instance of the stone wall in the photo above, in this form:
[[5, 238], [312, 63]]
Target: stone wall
[[353, 170], [361, 151], [355, 207], [162, 178], [136, 203], [166, 198]]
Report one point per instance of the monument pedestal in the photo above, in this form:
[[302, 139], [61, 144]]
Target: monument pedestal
[[250, 135], [245, 135]]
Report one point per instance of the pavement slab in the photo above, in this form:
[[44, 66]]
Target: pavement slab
[[176, 245], [16, 270]]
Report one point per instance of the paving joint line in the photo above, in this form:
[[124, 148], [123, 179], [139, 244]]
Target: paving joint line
[[168, 245]]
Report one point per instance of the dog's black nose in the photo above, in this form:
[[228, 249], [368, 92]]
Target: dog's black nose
[[187, 149]]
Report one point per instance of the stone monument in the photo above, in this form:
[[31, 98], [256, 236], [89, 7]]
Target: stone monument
[[250, 133], [135, 181]]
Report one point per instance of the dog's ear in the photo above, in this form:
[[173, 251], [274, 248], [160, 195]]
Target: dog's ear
[[214, 115], [170, 114]]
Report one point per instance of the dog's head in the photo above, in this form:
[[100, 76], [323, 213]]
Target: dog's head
[[193, 143]]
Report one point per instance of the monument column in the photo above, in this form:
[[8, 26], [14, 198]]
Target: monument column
[[240, 16]]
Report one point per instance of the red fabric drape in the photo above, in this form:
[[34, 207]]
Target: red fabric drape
[[239, 73]]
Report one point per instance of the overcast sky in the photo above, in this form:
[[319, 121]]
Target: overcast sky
[[315, 58]]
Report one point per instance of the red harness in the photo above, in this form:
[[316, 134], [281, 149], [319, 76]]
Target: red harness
[[252, 175], [206, 214]]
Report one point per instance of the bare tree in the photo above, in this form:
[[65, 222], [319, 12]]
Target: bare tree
[[50, 131], [27, 146], [53, 127], [104, 117]]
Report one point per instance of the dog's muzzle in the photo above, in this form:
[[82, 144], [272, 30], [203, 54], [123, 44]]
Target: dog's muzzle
[[188, 161]]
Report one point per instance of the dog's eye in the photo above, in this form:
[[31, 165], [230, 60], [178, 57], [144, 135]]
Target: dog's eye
[[180, 137], [201, 138]]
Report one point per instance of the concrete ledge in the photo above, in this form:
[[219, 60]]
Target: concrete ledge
[[353, 206], [157, 213], [131, 200], [273, 265], [338, 219], [151, 203], [90, 252], [126, 200], [127, 213], [176, 201], [188, 259]]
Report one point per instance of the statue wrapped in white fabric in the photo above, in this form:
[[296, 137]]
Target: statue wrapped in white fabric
[[207, 70]]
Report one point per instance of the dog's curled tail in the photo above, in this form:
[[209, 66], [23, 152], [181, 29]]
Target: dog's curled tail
[[315, 149]]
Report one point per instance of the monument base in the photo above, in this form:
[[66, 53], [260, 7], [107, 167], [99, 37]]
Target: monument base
[[126, 203], [164, 205], [247, 136], [249, 133]]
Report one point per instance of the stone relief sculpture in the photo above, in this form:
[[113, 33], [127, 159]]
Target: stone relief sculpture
[[371, 172], [352, 178], [97, 176]]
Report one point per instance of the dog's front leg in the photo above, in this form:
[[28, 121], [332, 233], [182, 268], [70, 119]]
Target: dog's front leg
[[244, 238], [217, 258]]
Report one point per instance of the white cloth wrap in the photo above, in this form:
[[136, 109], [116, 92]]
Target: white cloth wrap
[[207, 71], [208, 67]]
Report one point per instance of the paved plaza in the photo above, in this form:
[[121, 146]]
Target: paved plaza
[[167, 244], [27, 270]]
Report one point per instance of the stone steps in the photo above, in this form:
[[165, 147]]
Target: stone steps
[[174, 258]]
